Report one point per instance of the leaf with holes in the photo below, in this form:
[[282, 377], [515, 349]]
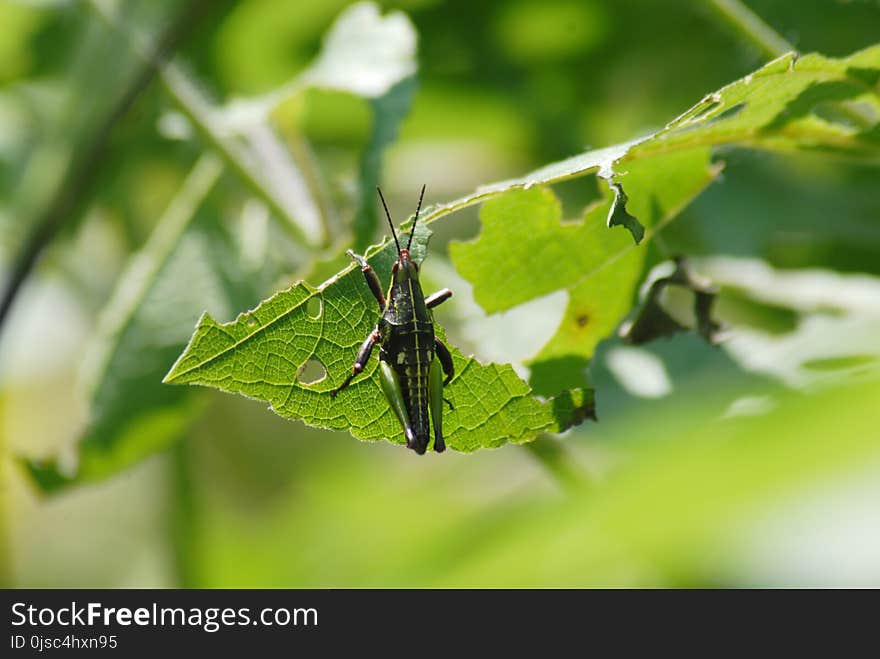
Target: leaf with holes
[[525, 251], [793, 103], [298, 345]]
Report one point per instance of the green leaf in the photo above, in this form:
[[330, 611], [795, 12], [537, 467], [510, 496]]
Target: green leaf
[[617, 215], [270, 354], [778, 107], [525, 250], [784, 106]]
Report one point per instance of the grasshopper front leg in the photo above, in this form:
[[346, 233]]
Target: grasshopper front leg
[[370, 275], [361, 360], [438, 298]]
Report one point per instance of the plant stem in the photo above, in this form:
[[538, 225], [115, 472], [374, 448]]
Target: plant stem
[[144, 267], [196, 109], [184, 516], [84, 165], [749, 25], [556, 459], [199, 112]]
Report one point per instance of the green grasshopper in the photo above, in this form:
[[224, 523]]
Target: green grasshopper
[[409, 374]]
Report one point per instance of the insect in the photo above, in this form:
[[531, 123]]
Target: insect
[[410, 356]]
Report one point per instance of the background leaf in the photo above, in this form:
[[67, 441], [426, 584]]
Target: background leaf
[[132, 414], [653, 520], [365, 53]]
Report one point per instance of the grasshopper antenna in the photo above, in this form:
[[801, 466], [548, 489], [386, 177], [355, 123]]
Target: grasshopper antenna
[[418, 208], [388, 215]]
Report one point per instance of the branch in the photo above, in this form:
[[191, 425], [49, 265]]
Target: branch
[[83, 167], [772, 44], [193, 105], [749, 25], [557, 460]]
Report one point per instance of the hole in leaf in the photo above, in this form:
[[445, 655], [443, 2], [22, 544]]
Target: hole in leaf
[[849, 116], [314, 307], [582, 320], [576, 195], [729, 113], [702, 120], [704, 107], [311, 372]]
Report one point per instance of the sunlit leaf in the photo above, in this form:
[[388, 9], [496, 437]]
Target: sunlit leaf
[[275, 352], [777, 107], [365, 53], [525, 251]]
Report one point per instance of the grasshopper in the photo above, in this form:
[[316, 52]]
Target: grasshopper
[[408, 371]]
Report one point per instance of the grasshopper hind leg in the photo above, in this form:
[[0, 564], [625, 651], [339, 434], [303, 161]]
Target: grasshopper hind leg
[[391, 387], [435, 397]]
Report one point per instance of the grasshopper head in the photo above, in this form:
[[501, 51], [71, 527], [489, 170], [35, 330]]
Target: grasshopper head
[[404, 267]]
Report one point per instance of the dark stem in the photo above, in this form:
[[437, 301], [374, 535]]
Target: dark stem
[[84, 165]]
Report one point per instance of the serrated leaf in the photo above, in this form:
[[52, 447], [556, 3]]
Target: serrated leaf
[[525, 250], [263, 354], [780, 106], [777, 107]]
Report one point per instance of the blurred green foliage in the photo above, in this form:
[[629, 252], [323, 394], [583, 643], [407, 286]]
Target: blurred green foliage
[[745, 464]]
